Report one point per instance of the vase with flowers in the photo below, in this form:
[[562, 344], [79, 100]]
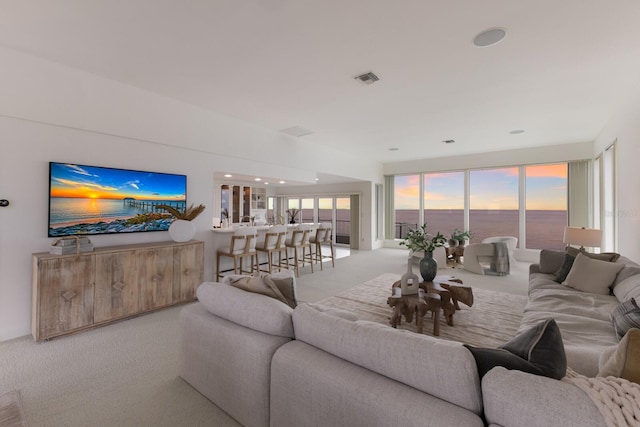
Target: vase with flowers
[[419, 240]]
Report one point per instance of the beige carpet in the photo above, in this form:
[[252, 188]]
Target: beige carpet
[[493, 319], [11, 410]]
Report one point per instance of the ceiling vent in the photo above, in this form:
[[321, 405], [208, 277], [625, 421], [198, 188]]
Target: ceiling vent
[[296, 131], [367, 78]]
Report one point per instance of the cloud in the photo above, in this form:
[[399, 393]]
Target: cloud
[[77, 169], [78, 184]]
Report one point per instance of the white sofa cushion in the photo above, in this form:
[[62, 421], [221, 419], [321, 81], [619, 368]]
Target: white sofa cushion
[[444, 369], [628, 288], [247, 309]]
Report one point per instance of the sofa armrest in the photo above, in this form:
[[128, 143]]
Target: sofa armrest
[[518, 399], [534, 268]]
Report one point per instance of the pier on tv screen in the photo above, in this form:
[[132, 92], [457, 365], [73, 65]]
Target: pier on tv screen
[[88, 200]]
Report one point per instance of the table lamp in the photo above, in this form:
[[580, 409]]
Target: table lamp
[[581, 236]]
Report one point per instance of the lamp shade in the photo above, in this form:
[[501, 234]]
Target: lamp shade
[[581, 236]]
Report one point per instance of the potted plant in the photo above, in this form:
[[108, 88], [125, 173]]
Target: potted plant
[[459, 237], [418, 240], [293, 213], [182, 229]]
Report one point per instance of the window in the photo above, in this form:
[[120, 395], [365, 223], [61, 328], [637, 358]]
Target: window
[[406, 204], [343, 220], [493, 204], [307, 210], [546, 205], [443, 197]]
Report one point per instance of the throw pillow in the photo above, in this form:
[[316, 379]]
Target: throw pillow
[[561, 274], [538, 351], [623, 360], [603, 256], [550, 261], [259, 286], [285, 282], [625, 316], [592, 275]]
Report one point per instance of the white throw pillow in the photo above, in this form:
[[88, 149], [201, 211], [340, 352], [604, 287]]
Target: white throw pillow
[[592, 275]]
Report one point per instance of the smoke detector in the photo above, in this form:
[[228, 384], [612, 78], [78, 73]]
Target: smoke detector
[[367, 78]]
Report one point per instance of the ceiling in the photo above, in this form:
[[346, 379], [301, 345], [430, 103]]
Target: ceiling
[[558, 75]]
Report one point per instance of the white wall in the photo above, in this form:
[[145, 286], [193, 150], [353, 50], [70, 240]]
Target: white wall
[[624, 128], [53, 113]]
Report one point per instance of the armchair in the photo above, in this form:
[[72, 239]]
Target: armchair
[[489, 253]]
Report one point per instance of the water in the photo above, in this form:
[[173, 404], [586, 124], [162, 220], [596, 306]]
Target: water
[[64, 210]]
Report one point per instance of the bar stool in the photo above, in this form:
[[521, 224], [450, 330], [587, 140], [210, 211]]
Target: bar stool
[[274, 240], [243, 244], [299, 241], [323, 237]]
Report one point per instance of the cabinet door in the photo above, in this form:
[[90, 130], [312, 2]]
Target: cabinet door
[[65, 294], [156, 277], [188, 264], [117, 288]]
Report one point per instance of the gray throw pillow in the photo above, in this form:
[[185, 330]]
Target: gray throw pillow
[[550, 261], [563, 272], [625, 316], [603, 256], [538, 351]]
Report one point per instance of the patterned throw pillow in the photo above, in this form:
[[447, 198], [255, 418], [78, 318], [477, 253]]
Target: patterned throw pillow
[[625, 316]]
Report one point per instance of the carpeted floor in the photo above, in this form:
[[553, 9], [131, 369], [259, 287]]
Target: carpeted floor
[[126, 374], [491, 321]]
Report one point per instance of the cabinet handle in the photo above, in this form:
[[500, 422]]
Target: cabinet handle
[[68, 295], [118, 286]]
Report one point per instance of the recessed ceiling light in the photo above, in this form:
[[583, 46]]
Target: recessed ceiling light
[[282, 182], [449, 141], [516, 131], [227, 175], [257, 179], [394, 149], [266, 183], [489, 37]]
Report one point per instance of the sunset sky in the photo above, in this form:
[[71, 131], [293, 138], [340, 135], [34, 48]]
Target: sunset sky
[[546, 189], [90, 182]]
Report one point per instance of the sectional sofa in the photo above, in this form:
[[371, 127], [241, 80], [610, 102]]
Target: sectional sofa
[[266, 363]]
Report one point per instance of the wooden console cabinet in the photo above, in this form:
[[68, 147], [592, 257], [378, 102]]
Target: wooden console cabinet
[[70, 294]]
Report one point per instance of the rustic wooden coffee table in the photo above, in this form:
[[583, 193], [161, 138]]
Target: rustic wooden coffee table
[[443, 295]]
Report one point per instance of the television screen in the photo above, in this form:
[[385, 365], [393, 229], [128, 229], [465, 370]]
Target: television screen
[[86, 200]]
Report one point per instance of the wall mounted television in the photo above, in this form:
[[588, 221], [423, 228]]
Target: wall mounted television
[[89, 200]]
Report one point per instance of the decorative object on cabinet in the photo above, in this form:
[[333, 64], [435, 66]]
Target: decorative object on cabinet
[[73, 293], [182, 229]]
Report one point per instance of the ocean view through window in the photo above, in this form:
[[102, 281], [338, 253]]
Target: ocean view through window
[[494, 203]]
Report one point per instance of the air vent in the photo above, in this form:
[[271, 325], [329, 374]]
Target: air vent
[[367, 78]]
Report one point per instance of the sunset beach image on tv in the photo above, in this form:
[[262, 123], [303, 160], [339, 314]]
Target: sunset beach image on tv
[[86, 200]]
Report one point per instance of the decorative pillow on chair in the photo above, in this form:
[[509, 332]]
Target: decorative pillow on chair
[[592, 275], [623, 360], [538, 351], [625, 316]]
